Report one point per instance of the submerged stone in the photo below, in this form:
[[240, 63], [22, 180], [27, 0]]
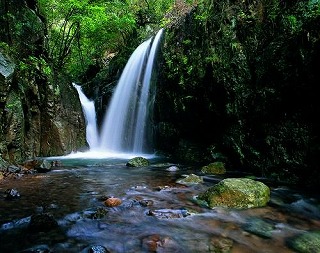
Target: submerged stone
[[237, 193], [10, 194], [190, 179], [306, 242], [98, 249], [168, 213], [221, 245], [98, 214], [111, 202], [42, 223], [160, 243], [138, 162], [259, 227]]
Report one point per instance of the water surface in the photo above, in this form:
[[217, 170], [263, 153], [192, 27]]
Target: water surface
[[173, 221]]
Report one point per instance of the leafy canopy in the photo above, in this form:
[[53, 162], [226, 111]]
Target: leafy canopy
[[81, 32]]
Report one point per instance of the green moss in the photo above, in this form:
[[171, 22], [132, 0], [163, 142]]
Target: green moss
[[259, 227], [190, 179], [306, 242], [138, 162], [237, 193], [214, 168]]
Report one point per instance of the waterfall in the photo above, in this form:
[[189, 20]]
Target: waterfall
[[126, 124], [89, 112]]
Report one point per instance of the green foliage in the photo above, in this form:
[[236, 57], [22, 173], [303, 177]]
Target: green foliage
[[4, 47], [32, 64], [83, 33]]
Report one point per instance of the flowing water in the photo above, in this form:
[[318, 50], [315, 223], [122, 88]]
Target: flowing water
[[89, 112], [169, 221]]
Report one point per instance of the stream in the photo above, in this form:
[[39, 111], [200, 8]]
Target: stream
[[156, 214]]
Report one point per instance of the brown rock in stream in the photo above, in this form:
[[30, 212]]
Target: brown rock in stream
[[111, 202]]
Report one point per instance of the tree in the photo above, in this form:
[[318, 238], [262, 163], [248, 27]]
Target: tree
[[80, 32]]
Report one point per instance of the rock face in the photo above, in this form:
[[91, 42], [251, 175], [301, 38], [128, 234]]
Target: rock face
[[237, 193], [218, 94], [39, 114]]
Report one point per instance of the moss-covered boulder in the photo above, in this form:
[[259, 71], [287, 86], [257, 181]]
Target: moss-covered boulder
[[214, 168], [138, 162], [306, 242], [240, 193]]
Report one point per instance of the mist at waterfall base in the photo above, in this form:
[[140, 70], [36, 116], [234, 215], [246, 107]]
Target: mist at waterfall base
[[127, 127]]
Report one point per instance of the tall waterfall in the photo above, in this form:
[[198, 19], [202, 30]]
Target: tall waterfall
[[126, 126]]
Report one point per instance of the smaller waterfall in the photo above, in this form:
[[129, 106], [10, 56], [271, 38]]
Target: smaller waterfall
[[89, 112]]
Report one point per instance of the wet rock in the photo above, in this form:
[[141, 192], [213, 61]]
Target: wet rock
[[162, 187], [40, 165], [190, 179], [259, 227], [42, 223], [111, 202], [237, 193], [98, 249], [43, 166], [138, 162], [168, 213], [214, 168], [146, 202], [11, 194], [38, 249], [13, 169], [160, 243], [98, 214], [7, 66], [306, 242], [172, 168], [103, 197], [30, 164], [56, 163], [221, 245]]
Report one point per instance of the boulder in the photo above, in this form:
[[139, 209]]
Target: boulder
[[240, 193], [214, 168], [138, 162], [190, 179], [305, 242], [111, 202]]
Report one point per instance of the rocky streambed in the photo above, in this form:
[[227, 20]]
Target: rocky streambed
[[103, 205]]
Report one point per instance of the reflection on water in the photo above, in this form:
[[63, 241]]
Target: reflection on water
[[73, 191]]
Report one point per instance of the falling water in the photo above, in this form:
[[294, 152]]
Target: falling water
[[124, 127], [126, 124], [89, 112]]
